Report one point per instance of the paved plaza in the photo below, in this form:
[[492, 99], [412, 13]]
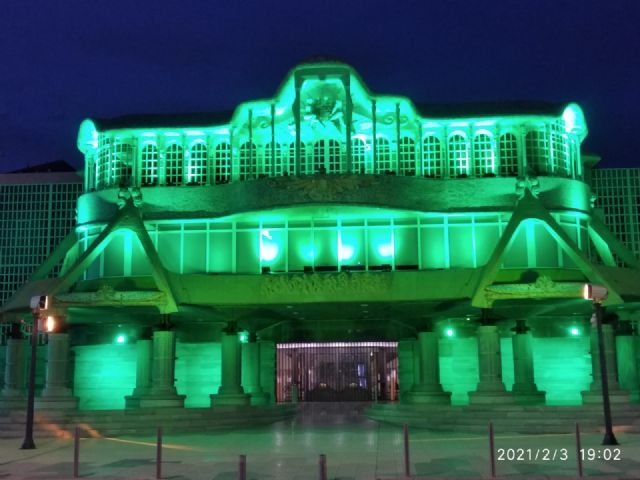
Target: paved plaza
[[355, 448]]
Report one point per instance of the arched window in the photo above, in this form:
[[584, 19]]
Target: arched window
[[121, 165], [102, 163], [292, 158], [247, 156], [223, 163], [383, 156], [560, 161], [326, 156], [432, 157], [407, 156], [277, 169], [508, 152], [198, 170], [175, 161], [537, 150], [358, 164], [149, 158], [458, 151], [483, 158]]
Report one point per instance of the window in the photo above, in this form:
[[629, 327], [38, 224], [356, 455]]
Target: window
[[458, 156], [149, 158], [431, 157], [383, 156], [483, 159], [358, 156], [121, 165], [508, 155], [102, 163], [198, 170], [407, 157], [175, 161], [561, 162], [326, 156], [292, 158], [537, 150], [247, 156], [223, 163]]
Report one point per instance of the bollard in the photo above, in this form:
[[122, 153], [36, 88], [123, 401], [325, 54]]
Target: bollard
[[76, 452], [578, 448], [159, 453], [407, 464], [492, 451], [322, 463], [242, 468]]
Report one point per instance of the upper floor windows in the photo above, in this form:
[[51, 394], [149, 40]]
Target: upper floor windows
[[149, 159], [384, 162], [358, 156], [407, 157], [198, 170], [537, 151], [431, 157], [483, 155], [222, 163], [247, 169], [508, 155], [458, 156]]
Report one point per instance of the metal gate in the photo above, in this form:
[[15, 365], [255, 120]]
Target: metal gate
[[337, 372]]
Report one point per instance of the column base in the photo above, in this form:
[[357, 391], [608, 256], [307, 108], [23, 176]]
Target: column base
[[591, 397], [154, 401], [531, 397], [260, 398], [489, 398], [224, 399], [57, 402], [429, 398]]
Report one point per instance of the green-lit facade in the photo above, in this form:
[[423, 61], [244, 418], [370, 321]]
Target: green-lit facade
[[330, 216]]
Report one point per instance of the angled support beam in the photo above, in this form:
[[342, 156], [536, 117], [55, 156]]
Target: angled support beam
[[602, 248], [530, 208]]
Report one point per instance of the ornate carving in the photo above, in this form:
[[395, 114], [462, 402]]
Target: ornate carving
[[325, 283], [528, 182], [543, 287], [323, 187], [126, 194], [106, 295]]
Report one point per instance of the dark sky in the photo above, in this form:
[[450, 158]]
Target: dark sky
[[63, 61]]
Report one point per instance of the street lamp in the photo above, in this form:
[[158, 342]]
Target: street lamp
[[37, 304], [597, 294]]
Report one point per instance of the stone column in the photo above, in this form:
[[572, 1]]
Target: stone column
[[162, 391], [626, 360], [143, 373], [251, 354], [14, 393], [594, 394], [525, 390], [427, 388], [230, 391], [56, 393], [490, 389]]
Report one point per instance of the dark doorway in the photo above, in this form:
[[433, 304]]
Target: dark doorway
[[337, 372]]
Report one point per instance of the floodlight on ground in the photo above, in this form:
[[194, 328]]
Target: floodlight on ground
[[596, 293], [449, 332]]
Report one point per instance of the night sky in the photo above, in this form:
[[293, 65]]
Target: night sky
[[63, 61]]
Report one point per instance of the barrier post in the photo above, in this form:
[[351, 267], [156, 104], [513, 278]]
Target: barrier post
[[76, 452], [492, 451], [159, 453], [407, 463], [242, 468], [578, 448], [322, 464]]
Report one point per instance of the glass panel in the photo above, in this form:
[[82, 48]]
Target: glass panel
[[220, 257]]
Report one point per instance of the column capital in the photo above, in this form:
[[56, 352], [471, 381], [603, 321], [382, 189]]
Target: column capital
[[521, 327]]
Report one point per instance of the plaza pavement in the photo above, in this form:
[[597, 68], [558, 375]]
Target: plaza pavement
[[355, 448]]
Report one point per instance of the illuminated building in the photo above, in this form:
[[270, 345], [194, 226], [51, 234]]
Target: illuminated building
[[367, 246]]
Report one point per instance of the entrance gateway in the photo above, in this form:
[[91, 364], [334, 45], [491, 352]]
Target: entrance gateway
[[337, 371]]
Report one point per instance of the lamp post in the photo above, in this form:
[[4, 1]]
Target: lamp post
[[597, 293], [37, 303]]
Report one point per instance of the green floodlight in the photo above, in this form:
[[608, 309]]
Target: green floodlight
[[243, 337], [449, 332], [574, 331], [121, 339]]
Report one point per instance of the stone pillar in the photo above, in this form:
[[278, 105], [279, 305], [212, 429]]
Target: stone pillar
[[162, 391], [251, 354], [14, 393], [56, 393], [626, 360], [427, 387], [525, 390], [230, 391], [143, 373], [594, 394], [490, 388]]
